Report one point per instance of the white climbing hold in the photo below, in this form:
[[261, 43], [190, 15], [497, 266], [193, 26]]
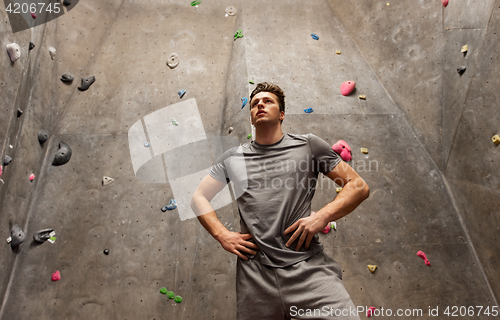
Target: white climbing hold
[[231, 10], [173, 60], [14, 51], [107, 180], [52, 52]]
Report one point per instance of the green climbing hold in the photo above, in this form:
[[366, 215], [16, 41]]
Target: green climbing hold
[[249, 136], [195, 3], [170, 294], [163, 290], [238, 34], [178, 299], [251, 81]]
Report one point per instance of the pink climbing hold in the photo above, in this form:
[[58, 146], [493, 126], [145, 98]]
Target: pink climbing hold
[[347, 87], [33, 15], [1, 170], [341, 147], [422, 255], [327, 229], [32, 177], [445, 2], [56, 276], [370, 311]]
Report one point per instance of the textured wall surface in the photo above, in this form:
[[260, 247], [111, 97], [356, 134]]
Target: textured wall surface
[[430, 166]]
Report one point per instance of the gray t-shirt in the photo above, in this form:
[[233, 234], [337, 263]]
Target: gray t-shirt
[[274, 186]]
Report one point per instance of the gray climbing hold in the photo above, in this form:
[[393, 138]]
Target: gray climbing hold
[[63, 154], [32, 46], [67, 78], [173, 60], [67, 2], [107, 180], [86, 83], [19, 112], [7, 160], [42, 136], [461, 70], [14, 51], [17, 235], [42, 235]]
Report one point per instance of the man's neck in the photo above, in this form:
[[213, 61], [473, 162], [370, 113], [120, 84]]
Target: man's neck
[[267, 136]]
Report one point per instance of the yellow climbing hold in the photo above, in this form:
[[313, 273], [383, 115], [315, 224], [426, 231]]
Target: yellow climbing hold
[[338, 189], [372, 267], [364, 150], [362, 97], [465, 48], [338, 52], [495, 139]]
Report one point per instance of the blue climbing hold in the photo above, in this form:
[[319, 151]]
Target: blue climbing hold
[[308, 110], [146, 144], [314, 36], [170, 206], [244, 102], [181, 93]]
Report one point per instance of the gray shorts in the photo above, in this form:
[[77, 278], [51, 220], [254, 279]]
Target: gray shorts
[[309, 289]]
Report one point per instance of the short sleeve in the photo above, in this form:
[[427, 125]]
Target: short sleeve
[[219, 170], [325, 159]]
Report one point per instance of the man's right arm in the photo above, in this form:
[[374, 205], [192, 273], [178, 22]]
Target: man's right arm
[[233, 242]]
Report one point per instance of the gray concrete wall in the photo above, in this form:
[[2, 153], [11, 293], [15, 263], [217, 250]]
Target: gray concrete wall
[[403, 58]]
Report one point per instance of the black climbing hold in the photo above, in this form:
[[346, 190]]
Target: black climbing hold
[[461, 70], [67, 2], [42, 235], [42, 136], [67, 78], [7, 160], [17, 235], [63, 154], [32, 45], [106, 251], [86, 83], [19, 112]]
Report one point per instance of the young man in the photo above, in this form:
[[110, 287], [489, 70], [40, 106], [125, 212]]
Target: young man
[[282, 271]]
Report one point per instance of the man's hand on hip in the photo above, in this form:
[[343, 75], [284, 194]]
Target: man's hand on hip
[[306, 228], [235, 242]]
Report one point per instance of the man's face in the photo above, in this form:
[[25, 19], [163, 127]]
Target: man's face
[[265, 108]]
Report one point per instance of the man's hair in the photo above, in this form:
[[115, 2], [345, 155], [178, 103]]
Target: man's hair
[[272, 88]]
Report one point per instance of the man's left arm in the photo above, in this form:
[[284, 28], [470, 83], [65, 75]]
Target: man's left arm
[[354, 191]]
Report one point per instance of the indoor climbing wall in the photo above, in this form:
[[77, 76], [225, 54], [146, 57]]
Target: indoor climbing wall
[[117, 109]]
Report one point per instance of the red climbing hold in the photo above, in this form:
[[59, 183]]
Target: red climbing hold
[[32, 177], [369, 312], [341, 147], [33, 15], [347, 87], [421, 254], [445, 2], [56, 276]]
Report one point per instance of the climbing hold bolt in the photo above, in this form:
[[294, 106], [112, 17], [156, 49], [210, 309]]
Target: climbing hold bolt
[[163, 290], [106, 251], [17, 235], [465, 48], [32, 46], [338, 52], [170, 206], [231, 11], [170, 294], [14, 51], [338, 189], [173, 60], [19, 112], [175, 123], [86, 83], [244, 102], [178, 299], [347, 87], [67, 77], [32, 177], [56, 276], [461, 70], [364, 150], [444, 2], [7, 160], [372, 268], [308, 110], [370, 311], [52, 52], [342, 148], [314, 36], [422, 255], [495, 139], [42, 235], [107, 180], [42, 136], [229, 130], [362, 97], [63, 154], [249, 136], [181, 93]]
